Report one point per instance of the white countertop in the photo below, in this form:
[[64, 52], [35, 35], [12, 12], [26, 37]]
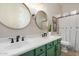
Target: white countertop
[[18, 48]]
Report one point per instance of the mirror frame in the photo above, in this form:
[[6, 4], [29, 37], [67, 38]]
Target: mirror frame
[[54, 21], [42, 21], [24, 26]]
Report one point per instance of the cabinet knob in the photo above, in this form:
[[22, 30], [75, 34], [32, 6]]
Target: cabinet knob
[[41, 49]]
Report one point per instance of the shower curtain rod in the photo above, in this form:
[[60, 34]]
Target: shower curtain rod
[[68, 15]]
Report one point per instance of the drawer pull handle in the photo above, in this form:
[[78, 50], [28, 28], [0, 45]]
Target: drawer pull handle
[[41, 49]]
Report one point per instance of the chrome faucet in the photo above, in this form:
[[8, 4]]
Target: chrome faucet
[[17, 38], [22, 38], [44, 35], [12, 41]]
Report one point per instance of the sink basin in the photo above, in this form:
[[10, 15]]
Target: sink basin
[[16, 45], [10, 46], [13, 46]]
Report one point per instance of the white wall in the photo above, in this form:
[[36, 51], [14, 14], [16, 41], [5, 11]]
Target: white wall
[[50, 9], [68, 7]]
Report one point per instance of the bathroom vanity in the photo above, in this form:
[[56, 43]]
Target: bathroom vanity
[[32, 46], [52, 48]]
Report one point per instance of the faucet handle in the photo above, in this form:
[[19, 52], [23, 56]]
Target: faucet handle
[[12, 41], [22, 38], [18, 36]]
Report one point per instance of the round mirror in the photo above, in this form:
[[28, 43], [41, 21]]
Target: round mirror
[[14, 15], [41, 20]]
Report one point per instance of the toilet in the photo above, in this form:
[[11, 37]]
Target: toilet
[[64, 46]]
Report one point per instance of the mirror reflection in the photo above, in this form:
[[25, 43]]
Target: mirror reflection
[[41, 20], [14, 15]]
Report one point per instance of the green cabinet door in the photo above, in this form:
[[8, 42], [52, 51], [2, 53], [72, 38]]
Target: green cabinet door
[[51, 51], [58, 49], [30, 53], [40, 50]]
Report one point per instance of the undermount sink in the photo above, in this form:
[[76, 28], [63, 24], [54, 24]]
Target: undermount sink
[[13, 46]]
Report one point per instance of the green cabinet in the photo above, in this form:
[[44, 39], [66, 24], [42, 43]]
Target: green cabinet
[[49, 45], [40, 51], [58, 48], [50, 49]]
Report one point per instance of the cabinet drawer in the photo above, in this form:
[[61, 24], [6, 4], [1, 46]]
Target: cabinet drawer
[[50, 45], [39, 50]]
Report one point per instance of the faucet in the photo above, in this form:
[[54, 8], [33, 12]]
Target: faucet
[[17, 38], [22, 38], [12, 41], [44, 35]]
